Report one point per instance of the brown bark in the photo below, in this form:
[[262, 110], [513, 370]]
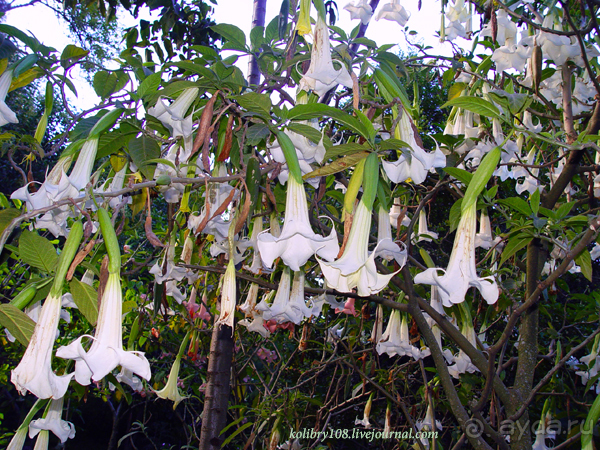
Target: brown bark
[[216, 399]]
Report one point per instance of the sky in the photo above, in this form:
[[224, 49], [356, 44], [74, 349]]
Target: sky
[[50, 30]]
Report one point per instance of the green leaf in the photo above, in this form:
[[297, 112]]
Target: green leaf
[[86, 299], [256, 133], [481, 177], [71, 54], [476, 105], [455, 213], [24, 65], [17, 322], [255, 102], [105, 122], [345, 149], [236, 39], [37, 251], [142, 149], [393, 144], [367, 124], [460, 174], [253, 177], [584, 260], [534, 201], [426, 258], [517, 204], [105, 83], [337, 166], [306, 130], [456, 89], [515, 103], [7, 216], [515, 244], [257, 38], [150, 85], [590, 422], [318, 110]]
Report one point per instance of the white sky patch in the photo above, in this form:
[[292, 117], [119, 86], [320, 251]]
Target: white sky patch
[[51, 31]]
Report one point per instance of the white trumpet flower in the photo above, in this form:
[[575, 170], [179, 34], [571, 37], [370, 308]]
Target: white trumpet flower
[[228, 296], [461, 272], [173, 115], [355, 268], [321, 76], [424, 234], [34, 372], [171, 391], [106, 352], [484, 238], [396, 340], [297, 242], [415, 162], [6, 114], [62, 429], [387, 248], [361, 11], [393, 11]]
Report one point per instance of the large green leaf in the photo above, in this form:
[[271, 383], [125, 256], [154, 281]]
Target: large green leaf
[[37, 251], [142, 150], [318, 110], [476, 105], [150, 85], [86, 299], [255, 102], [71, 54], [236, 39], [7, 216], [515, 244], [344, 149], [17, 322], [584, 260], [105, 83]]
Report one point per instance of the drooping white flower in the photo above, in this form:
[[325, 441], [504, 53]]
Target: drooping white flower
[[396, 340], [387, 248], [415, 162], [355, 268], [297, 242], [176, 156], [461, 272], [228, 296], [423, 232], [511, 57], [506, 30], [254, 318], [34, 373], [361, 10], [427, 424], [106, 352], [462, 362], [6, 114], [216, 194], [168, 273], [173, 116], [435, 328], [367, 412], [52, 422], [393, 11], [321, 76], [171, 390], [484, 238]]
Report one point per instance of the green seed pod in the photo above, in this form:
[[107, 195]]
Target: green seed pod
[[110, 240]]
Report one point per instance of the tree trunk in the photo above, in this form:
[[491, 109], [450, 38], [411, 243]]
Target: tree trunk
[[216, 399], [258, 20]]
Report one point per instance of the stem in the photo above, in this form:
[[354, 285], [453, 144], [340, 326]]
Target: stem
[[258, 20], [214, 415]]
